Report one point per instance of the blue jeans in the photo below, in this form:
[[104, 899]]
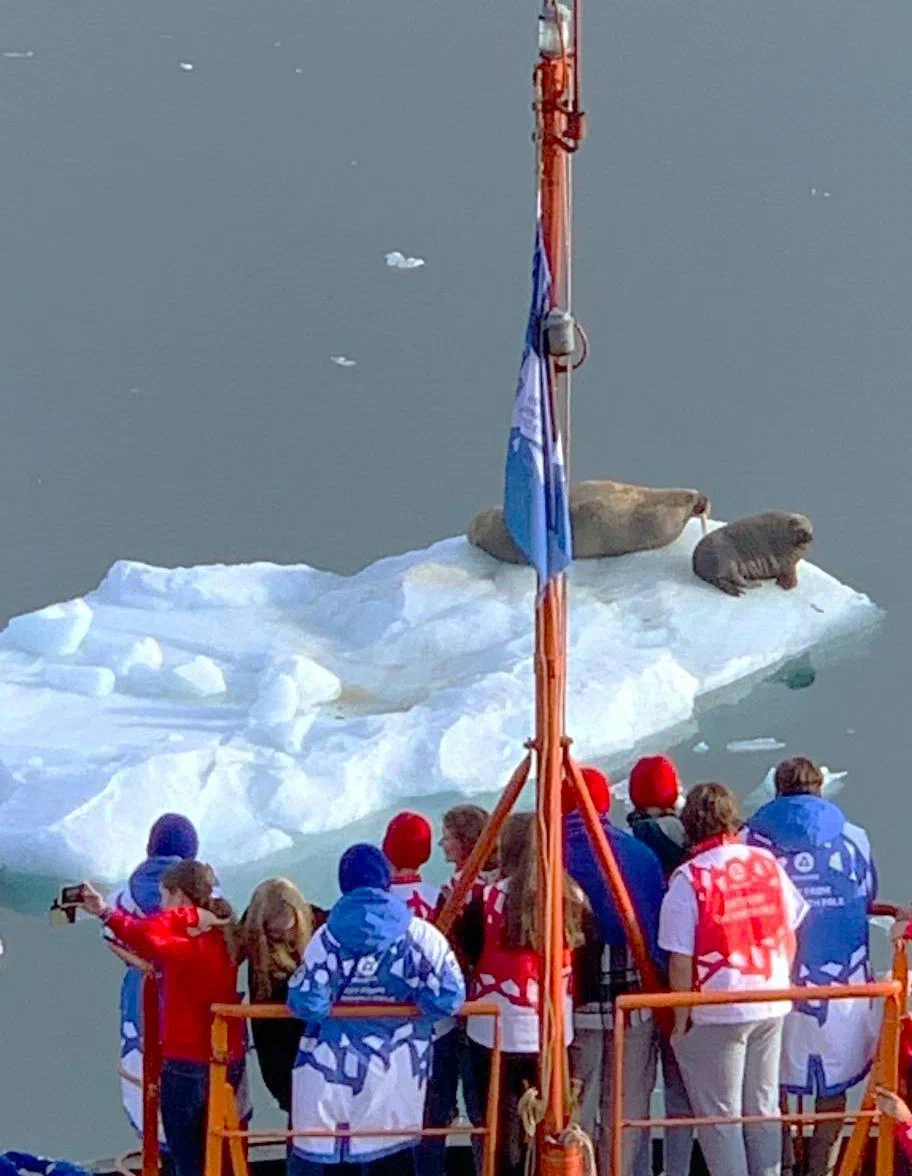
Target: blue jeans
[[448, 1066], [184, 1098], [184, 1104], [400, 1163]]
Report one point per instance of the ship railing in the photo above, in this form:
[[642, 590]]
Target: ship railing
[[884, 1071], [223, 1126]]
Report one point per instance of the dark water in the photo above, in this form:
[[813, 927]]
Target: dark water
[[182, 252]]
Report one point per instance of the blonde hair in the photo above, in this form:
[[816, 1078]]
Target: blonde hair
[[270, 962], [519, 863]]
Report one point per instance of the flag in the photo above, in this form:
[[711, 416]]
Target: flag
[[535, 491]]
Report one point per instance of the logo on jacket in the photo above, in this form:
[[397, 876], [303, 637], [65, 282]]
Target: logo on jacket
[[368, 966], [804, 862]]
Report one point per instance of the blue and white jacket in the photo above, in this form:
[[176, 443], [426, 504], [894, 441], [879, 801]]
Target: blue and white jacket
[[362, 1074], [140, 896], [827, 1045]]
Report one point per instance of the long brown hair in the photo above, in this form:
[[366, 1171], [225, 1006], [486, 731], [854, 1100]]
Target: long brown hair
[[519, 864], [197, 881], [271, 962]]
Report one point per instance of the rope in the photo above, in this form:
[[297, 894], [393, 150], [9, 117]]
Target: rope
[[531, 1111], [575, 1134]]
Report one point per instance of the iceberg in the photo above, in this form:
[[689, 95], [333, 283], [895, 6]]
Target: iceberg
[[271, 702]]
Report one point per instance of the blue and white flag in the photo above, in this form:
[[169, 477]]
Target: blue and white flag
[[535, 492]]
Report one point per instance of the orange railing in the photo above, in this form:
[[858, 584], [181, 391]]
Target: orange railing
[[223, 1124], [891, 991], [150, 1031]]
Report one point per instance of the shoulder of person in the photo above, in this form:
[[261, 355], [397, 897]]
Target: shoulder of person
[[425, 936], [858, 837]]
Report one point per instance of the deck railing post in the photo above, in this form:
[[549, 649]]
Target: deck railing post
[[492, 1116], [151, 1072], [888, 1074], [617, 1091], [218, 1080]]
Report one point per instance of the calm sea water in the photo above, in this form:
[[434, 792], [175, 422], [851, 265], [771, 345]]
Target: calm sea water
[[183, 251]]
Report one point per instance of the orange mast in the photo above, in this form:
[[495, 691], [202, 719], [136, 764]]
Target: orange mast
[[559, 131]]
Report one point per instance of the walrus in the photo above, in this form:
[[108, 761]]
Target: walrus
[[606, 518], [760, 547]]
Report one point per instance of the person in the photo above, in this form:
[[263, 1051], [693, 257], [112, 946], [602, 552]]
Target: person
[[827, 1046], [172, 838], [603, 970], [462, 825], [407, 845], [362, 1074], [507, 973], [890, 1103], [656, 795], [728, 921], [191, 941], [274, 931]]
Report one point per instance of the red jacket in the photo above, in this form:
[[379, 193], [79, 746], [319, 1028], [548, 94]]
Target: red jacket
[[196, 972]]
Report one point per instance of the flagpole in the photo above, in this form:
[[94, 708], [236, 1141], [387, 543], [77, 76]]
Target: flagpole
[[554, 78]]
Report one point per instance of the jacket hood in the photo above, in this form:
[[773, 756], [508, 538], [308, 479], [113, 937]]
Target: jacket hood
[[668, 824], [795, 822], [144, 883], [368, 920]]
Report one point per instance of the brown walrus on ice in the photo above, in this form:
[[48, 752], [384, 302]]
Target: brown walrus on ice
[[761, 547], [606, 518]]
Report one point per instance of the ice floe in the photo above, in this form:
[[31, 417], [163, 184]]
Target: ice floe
[[763, 743], [397, 260], [268, 702]]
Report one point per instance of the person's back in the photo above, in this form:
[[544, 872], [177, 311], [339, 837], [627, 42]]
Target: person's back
[[359, 1074], [172, 838], [188, 942], [655, 793], [603, 970], [407, 846], [639, 866], [827, 1047]]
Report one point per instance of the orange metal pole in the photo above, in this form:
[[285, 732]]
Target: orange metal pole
[[617, 1092], [489, 1164], [649, 973], [483, 847], [550, 626], [218, 1079], [672, 1000], [151, 1074], [889, 1074]]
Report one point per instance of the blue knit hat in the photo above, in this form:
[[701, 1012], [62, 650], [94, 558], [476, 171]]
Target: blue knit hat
[[173, 836], [363, 865]]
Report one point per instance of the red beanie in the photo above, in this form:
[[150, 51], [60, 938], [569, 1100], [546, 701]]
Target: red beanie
[[599, 791], [407, 843], [654, 783]]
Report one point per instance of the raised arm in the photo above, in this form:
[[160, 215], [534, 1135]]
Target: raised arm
[[158, 938]]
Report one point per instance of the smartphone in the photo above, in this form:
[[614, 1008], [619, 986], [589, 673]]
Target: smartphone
[[70, 896]]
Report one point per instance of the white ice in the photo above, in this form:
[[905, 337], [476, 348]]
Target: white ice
[[397, 260], [833, 784], [763, 743], [268, 702], [186, 66], [343, 361]]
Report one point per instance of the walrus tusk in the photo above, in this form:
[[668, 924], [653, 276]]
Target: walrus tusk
[[704, 523]]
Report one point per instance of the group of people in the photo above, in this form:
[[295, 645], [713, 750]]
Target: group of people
[[725, 907]]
